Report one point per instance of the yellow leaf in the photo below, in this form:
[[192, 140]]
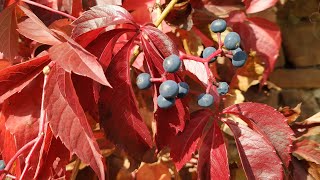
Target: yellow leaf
[[155, 171]]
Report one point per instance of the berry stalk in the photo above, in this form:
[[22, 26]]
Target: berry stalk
[[42, 122], [18, 153]]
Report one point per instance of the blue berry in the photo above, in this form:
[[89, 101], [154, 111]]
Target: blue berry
[[2, 164], [172, 63], [205, 100], [239, 59], [169, 89], [143, 81], [218, 26], [183, 89], [232, 41], [207, 52], [223, 88], [165, 102]]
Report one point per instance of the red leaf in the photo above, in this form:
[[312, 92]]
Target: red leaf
[[298, 170], [253, 6], [308, 150], [161, 41], [84, 90], [103, 45], [14, 78], [132, 4], [213, 159], [21, 113], [99, 17], [142, 14], [9, 151], [169, 121], [259, 35], [118, 110], [8, 33], [72, 57], [258, 157], [76, 8], [197, 69], [108, 2], [54, 158], [34, 29], [4, 63], [185, 143], [68, 121], [269, 123]]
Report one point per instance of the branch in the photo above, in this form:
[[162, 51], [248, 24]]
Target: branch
[[42, 121]]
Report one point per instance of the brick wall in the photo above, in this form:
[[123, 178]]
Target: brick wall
[[297, 71]]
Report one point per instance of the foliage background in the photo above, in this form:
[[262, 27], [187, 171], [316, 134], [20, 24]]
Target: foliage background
[[296, 79]]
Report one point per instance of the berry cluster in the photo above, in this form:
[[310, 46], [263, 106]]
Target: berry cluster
[[170, 90], [231, 43]]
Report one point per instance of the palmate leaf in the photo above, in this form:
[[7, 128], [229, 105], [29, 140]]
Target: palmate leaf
[[164, 45], [213, 160], [257, 156], [73, 58], [99, 17], [54, 157], [33, 28], [21, 113], [68, 120], [253, 6], [169, 121], [13, 79], [119, 113], [102, 47], [268, 122], [8, 34], [185, 143]]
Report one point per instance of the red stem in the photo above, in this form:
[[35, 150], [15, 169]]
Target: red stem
[[42, 122], [211, 78], [50, 9], [191, 57], [157, 79], [11, 176], [216, 53], [208, 88], [18, 153], [220, 41]]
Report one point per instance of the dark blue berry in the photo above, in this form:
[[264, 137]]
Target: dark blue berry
[[232, 41], [218, 25], [143, 81], [236, 50], [169, 89], [2, 164], [205, 100], [183, 89], [239, 59], [172, 63], [165, 102], [207, 52], [223, 88]]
